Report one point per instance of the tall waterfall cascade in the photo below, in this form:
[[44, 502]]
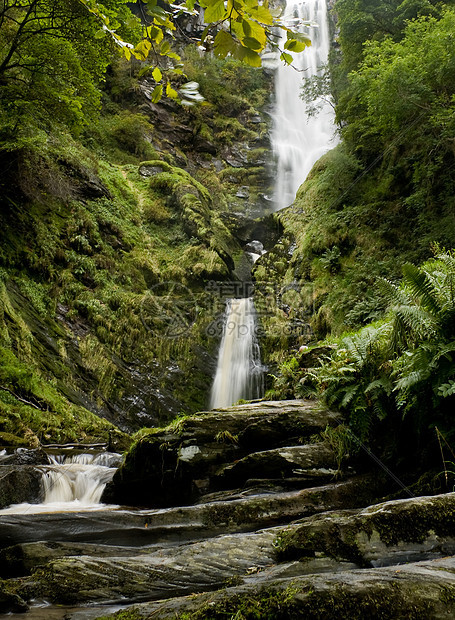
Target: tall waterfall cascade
[[299, 140], [239, 374]]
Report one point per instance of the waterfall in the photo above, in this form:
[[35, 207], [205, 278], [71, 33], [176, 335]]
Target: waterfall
[[75, 483], [299, 140], [239, 373], [72, 483]]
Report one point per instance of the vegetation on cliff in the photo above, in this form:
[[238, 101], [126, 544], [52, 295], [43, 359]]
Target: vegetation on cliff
[[383, 198], [105, 198]]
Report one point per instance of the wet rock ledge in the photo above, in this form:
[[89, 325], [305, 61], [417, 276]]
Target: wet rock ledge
[[224, 449]]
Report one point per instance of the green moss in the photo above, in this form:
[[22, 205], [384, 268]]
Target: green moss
[[8, 439], [31, 408], [267, 603], [129, 614], [339, 536]]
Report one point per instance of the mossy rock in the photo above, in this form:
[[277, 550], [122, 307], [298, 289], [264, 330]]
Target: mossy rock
[[386, 533], [13, 441], [163, 465], [423, 590], [20, 483], [10, 602]]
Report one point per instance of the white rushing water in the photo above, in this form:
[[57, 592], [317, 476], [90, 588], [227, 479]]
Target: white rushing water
[[299, 140], [239, 373], [73, 483]]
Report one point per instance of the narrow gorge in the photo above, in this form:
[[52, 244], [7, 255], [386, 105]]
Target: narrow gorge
[[227, 316]]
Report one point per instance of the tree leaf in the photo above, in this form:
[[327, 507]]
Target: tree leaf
[[254, 30], [262, 14], [299, 36], [252, 44], [142, 49], [157, 75], [294, 46], [157, 93], [214, 12], [165, 48], [287, 58], [224, 44], [155, 33], [170, 92], [248, 56]]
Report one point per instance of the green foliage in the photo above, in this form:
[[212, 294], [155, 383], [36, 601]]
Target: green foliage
[[364, 20], [30, 407], [401, 367], [48, 71], [228, 84], [357, 379], [124, 137], [283, 384], [410, 357], [341, 441]]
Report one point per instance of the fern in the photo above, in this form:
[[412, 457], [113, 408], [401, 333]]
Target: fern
[[422, 288]]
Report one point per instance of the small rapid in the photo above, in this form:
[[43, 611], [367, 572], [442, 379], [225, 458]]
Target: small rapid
[[73, 482]]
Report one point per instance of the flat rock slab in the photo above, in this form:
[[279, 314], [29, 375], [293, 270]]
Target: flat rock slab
[[170, 572], [389, 533], [135, 528], [174, 466], [414, 591], [19, 560]]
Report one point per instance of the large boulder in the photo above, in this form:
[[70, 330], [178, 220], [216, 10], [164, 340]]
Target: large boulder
[[20, 483], [176, 465]]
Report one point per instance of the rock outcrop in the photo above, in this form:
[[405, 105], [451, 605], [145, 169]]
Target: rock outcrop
[[194, 455]]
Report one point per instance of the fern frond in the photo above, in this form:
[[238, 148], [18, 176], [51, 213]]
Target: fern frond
[[410, 379], [422, 288], [379, 411], [384, 384], [416, 323], [444, 352], [349, 393], [394, 295]]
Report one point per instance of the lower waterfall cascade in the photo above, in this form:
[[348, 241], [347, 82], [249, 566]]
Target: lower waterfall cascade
[[300, 139], [72, 483], [239, 373]]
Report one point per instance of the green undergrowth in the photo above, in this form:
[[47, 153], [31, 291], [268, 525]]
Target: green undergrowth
[[96, 262], [32, 409], [393, 381], [110, 236]]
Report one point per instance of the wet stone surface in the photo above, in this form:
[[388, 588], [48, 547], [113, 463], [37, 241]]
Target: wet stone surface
[[243, 511]]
